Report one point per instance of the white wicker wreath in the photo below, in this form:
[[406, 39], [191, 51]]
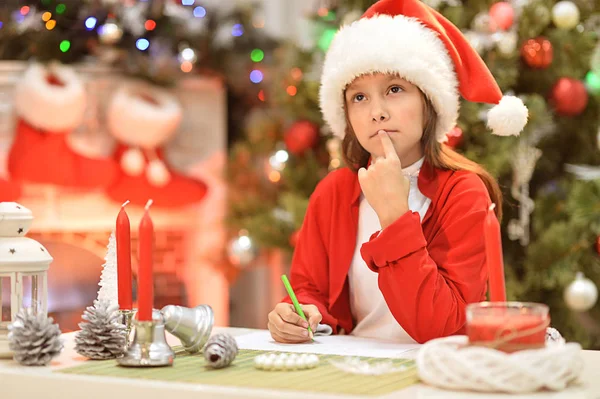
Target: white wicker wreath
[[450, 364]]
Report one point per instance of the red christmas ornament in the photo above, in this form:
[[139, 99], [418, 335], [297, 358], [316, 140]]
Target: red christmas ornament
[[294, 238], [597, 246], [537, 53], [301, 136], [502, 14], [569, 97], [455, 137]]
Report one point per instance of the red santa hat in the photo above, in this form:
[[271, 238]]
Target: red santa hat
[[411, 39]]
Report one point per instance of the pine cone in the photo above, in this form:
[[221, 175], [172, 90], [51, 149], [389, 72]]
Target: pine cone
[[553, 336], [220, 350], [103, 336], [34, 339]]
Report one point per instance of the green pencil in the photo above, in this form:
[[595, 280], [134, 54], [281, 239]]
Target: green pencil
[[297, 306]]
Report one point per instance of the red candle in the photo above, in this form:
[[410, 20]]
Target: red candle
[[493, 250], [123, 236], [509, 333], [145, 279]]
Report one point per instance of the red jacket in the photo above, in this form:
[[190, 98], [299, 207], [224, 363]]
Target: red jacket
[[428, 271]]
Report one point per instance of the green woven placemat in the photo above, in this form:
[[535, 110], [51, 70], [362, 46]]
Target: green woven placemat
[[323, 379]]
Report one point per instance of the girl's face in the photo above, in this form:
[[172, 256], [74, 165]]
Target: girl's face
[[387, 102]]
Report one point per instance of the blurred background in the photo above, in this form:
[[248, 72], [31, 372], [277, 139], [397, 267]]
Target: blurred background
[[211, 109]]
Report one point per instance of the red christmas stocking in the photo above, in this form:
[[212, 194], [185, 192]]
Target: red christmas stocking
[[142, 178], [9, 191], [50, 102], [145, 117]]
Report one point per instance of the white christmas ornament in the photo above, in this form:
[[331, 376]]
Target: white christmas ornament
[[133, 162], [565, 15], [581, 294], [285, 361], [506, 42], [157, 173], [109, 290]]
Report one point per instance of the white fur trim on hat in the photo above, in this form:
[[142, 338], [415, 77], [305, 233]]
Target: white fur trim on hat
[[508, 118], [50, 107], [143, 116], [388, 44]]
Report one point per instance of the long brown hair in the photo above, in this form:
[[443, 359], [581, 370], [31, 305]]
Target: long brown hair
[[437, 154]]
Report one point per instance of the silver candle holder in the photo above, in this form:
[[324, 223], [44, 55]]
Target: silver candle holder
[[149, 347], [126, 318]]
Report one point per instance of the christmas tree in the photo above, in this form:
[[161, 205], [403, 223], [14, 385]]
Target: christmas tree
[[157, 40], [543, 51], [109, 278]]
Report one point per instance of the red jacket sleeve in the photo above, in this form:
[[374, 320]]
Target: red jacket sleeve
[[309, 273], [427, 285]]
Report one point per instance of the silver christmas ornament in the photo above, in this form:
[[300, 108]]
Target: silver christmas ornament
[[192, 326], [581, 294], [220, 350], [110, 32], [34, 338], [102, 335]]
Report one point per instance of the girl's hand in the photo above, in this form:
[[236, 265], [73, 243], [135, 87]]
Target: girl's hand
[[287, 326], [384, 185]]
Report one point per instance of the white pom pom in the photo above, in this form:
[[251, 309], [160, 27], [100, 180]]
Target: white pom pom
[[509, 117], [133, 162], [157, 173]]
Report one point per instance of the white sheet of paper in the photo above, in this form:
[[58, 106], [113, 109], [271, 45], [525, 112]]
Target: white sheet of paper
[[346, 345]]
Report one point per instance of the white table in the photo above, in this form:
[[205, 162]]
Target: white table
[[18, 382]]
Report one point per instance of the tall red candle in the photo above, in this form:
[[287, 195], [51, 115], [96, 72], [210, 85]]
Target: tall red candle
[[145, 278], [495, 262], [123, 237]]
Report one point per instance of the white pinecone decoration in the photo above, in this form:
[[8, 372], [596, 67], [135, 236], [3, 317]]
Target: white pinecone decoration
[[553, 336], [34, 339], [220, 350], [103, 335]]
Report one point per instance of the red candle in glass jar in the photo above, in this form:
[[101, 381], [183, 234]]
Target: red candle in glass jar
[[145, 270], [508, 326], [123, 239]]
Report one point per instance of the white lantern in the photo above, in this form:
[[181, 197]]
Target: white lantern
[[22, 260]]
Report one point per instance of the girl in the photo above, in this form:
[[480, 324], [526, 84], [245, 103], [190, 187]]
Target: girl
[[392, 247]]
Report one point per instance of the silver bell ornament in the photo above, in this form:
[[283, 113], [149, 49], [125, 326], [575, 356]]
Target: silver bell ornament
[[581, 294], [191, 325]]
